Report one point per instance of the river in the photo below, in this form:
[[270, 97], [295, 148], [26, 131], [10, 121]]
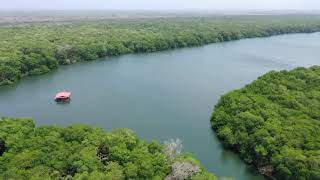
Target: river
[[162, 95]]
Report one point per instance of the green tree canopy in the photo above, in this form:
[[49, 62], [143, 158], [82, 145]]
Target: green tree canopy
[[82, 152], [35, 49], [274, 123]]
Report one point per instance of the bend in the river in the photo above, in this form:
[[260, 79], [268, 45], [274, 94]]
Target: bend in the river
[[161, 95]]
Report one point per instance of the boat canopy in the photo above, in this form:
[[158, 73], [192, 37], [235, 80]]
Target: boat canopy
[[63, 94]]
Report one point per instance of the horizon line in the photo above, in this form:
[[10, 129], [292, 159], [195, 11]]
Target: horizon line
[[147, 9]]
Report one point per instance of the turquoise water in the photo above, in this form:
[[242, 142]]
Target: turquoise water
[[161, 95]]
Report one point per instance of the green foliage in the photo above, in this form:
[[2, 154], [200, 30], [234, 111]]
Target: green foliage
[[79, 152], [275, 121], [38, 49]]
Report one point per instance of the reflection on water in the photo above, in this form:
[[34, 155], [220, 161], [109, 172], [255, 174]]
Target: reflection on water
[[63, 102]]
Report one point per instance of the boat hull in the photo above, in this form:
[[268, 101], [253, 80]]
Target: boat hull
[[62, 99]]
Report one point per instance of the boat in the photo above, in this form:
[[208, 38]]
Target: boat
[[63, 96]]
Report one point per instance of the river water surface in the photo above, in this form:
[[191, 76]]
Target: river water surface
[[161, 95]]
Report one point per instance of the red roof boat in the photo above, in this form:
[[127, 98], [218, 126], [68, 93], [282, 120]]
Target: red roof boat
[[63, 96]]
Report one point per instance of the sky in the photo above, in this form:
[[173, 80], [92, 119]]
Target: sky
[[161, 4]]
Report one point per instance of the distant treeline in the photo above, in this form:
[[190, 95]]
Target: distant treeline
[[37, 49], [84, 152], [274, 123]]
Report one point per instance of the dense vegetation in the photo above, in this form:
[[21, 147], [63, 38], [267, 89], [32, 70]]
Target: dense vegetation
[[37, 49], [274, 123], [83, 152]]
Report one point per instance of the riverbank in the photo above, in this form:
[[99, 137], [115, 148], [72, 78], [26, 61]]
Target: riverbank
[[273, 123], [84, 152], [171, 93], [38, 49]]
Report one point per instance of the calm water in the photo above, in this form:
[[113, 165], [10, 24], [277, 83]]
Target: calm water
[[161, 95]]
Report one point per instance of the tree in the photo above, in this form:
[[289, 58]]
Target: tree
[[79, 152], [2, 147], [274, 124], [38, 49]]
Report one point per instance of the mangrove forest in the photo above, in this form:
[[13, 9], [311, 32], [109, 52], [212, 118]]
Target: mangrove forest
[[274, 123], [84, 152], [33, 49]]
